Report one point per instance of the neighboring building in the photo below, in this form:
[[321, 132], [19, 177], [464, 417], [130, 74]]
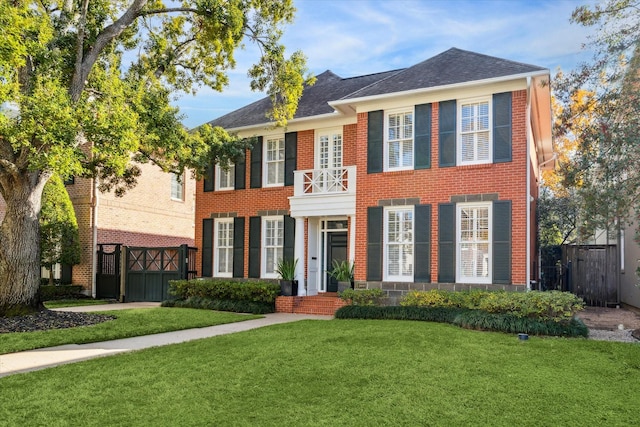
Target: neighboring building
[[158, 211], [425, 177]]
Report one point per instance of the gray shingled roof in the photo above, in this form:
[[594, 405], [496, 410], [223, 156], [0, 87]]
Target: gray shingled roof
[[453, 66]]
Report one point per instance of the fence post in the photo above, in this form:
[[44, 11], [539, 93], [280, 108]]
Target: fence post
[[184, 261]]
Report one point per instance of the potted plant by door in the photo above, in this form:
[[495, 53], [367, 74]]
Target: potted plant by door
[[342, 271], [286, 268]]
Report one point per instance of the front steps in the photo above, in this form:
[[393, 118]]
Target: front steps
[[326, 304]]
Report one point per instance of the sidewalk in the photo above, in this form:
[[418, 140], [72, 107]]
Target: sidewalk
[[33, 360]]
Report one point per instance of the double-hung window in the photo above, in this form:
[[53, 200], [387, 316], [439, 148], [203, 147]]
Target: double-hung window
[[177, 187], [399, 133], [225, 178], [274, 161], [399, 243], [272, 245], [474, 131], [223, 259], [474, 242]]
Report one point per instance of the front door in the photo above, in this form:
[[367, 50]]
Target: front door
[[336, 250]]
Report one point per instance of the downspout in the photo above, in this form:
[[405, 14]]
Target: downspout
[[528, 184], [94, 236]]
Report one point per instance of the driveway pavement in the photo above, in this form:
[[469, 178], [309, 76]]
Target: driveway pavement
[[33, 360]]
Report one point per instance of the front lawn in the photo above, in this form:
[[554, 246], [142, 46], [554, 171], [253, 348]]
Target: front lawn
[[129, 323], [340, 373]]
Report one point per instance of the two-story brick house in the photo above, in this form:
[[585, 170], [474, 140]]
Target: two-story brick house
[[423, 177]]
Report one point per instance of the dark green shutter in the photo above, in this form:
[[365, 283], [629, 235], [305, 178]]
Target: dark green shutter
[[422, 158], [502, 127], [240, 176], [375, 130], [209, 178], [447, 111], [447, 243], [290, 154], [422, 243], [374, 242], [238, 247], [207, 247], [256, 164], [255, 227], [288, 251], [502, 242]]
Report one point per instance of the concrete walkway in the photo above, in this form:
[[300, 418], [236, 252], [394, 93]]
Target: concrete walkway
[[33, 360]]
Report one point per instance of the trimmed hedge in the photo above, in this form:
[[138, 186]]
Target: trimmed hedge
[[552, 305], [224, 295], [222, 305], [468, 318], [362, 296], [220, 289], [50, 293]]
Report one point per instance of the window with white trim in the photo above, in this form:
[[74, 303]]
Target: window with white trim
[[225, 178], [272, 245], [274, 161], [177, 187], [398, 153], [474, 132], [474, 242], [329, 148], [223, 255], [398, 243]]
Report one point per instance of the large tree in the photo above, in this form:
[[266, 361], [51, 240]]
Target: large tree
[[72, 105], [601, 113]]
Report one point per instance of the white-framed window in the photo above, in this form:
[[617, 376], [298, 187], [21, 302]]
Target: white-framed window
[[177, 187], [223, 255], [474, 131], [398, 243], [329, 148], [274, 161], [225, 179], [272, 245], [398, 139], [474, 249]]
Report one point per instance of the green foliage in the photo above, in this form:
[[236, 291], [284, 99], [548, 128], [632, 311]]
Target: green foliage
[[552, 305], [342, 271], [368, 297], [59, 238], [469, 319], [236, 306], [219, 289], [501, 322], [49, 293], [286, 268]]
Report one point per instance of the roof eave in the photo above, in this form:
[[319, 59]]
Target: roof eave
[[345, 104], [272, 125]]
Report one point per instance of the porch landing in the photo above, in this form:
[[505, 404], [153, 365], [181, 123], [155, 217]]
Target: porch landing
[[326, 304]]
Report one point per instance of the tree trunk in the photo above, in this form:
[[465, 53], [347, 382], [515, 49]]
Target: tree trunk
[[20, 245]]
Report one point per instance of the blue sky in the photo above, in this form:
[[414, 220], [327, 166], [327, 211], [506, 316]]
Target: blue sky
[[356, 37]]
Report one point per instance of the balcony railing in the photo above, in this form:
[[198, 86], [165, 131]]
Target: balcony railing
[[325, 181]]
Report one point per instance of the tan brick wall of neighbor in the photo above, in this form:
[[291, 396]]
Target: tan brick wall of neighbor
[[432, 186]]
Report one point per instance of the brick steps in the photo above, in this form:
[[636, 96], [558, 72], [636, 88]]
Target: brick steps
[[326, 304]]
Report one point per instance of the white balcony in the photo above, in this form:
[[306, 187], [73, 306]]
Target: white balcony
[[324, 192]]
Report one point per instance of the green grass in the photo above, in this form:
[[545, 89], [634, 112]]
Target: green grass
[[74, 302], [129, 323], [340, 373]]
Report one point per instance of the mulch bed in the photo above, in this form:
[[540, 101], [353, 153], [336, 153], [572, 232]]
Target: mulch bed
[[47, 319]]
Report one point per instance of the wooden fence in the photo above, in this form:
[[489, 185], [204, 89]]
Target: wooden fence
[[592, 273]]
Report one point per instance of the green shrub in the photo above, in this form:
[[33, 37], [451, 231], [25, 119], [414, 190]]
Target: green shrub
[[501, 322], [366, 297], [216, 289], [429, 314], [50, 293], [235, 306], [552, 305]]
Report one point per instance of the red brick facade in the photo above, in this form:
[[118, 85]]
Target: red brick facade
[[433, 186]]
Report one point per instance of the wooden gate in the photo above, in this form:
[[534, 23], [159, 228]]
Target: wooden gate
[[148, 271], [592, 273], [108, 271]]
